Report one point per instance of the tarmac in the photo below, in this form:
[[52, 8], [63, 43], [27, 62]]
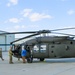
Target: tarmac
[[62, 66]]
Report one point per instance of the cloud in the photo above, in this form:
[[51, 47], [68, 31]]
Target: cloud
[[19, 26], [38, 16], [35, 16], [12, 2], [71, 12], [26, 12], [15, 28], [14, 20]]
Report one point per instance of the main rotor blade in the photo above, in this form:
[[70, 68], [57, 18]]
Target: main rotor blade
[[63, 34], [25, 37], [63, 29], [17, 33], [40, 31]]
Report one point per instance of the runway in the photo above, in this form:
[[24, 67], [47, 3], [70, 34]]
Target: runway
[[65, 66]]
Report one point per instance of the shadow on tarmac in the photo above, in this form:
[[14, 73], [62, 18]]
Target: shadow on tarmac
[[58, 60]]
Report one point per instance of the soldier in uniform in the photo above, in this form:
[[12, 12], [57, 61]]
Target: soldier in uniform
[[10, 55], [1, 55]]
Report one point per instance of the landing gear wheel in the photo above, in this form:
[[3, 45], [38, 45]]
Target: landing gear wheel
[[41, 59], [30, 60]]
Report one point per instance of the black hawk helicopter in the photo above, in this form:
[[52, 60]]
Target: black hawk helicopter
[[45, 46]]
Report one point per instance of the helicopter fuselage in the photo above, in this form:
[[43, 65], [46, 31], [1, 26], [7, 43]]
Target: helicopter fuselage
[[50, 47]]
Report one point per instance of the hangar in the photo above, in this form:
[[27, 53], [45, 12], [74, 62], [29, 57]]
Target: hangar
[[6, 39]]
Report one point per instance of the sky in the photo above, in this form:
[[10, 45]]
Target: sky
[[32, 15]]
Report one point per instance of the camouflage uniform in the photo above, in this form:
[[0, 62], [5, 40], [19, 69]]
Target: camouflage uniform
[[10, 56], [1, 54]]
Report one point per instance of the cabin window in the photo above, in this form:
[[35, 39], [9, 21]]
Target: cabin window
[[36, 48], [43, 48]]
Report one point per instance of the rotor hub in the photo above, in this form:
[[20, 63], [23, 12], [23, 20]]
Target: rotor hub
[[44, 31]]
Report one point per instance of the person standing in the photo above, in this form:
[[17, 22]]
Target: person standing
[[16, 52], [10, 55], [23, 54], [1, 55]]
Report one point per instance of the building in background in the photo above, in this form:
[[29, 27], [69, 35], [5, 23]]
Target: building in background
[[6, 39]]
